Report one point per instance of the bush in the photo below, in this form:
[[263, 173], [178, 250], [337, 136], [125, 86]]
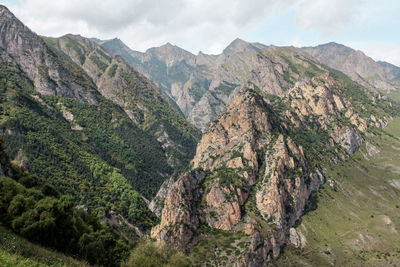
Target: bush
[[149, 254], [54, 222]]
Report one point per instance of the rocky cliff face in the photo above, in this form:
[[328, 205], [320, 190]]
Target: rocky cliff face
[[259, 163], [50, 74], [361, 68]]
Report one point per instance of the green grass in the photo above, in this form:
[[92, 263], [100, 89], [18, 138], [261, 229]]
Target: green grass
[[17, 251], [10, 260], [218, 247], [357, 222]]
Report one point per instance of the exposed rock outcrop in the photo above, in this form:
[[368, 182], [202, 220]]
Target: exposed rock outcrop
[[180, 218], [50, 74], [257, 176], [230, 155]]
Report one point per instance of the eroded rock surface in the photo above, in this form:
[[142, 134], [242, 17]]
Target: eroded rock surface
[[259, 166]]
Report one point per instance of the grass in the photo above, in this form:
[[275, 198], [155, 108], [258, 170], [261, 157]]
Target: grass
[[17, 251], [357, 222], [10, 260], [219, 248]]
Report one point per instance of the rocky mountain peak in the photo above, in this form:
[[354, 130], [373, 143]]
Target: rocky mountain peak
[[116, 41], [9, 21], [50, 73], [171, 54], [238, 45], [5, 11]]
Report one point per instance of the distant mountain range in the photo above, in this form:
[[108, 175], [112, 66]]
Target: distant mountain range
[[202, 85]]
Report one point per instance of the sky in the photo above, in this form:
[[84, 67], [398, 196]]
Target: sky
[[372, 26]]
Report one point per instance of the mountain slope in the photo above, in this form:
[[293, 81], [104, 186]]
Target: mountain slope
[[139, 97], [357, 220], [259, 165], [172, 68], [56, 124], [64, 141], [357, 65], [50, 74]]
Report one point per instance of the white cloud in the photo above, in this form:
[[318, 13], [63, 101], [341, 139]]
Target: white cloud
[[330, 16], [205, 25], [193, 24]]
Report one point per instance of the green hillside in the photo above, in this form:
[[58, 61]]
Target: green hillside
[[357, 217], [17, 251], [84, 162]]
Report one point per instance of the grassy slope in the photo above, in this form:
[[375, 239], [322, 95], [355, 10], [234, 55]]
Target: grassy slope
[[357, 222], [17, 251]]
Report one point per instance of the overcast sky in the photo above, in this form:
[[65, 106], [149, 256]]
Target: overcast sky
[[210, 25]]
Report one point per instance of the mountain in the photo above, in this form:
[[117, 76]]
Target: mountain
[[259, 166], [89, 124], [35, 218], [172, 68], [361, 68], [203, 85], [297, 163], [50, 74], [141, 100]]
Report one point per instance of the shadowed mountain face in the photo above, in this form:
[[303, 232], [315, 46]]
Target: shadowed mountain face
[[361, 68]]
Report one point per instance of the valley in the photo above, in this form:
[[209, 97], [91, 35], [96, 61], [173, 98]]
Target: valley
[[256, 156]]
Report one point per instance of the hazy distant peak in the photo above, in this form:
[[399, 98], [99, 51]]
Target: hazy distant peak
[[238, 45], [170, 53], [170, 48], [168, 45], [357, 65], [73, 35], [332, 44], [116, 41]]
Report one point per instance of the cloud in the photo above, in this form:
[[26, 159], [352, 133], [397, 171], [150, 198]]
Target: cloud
[[206, 25], [329, 16], [193, 24]]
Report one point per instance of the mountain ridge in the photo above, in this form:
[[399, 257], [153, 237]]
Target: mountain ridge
[[197, 90]]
